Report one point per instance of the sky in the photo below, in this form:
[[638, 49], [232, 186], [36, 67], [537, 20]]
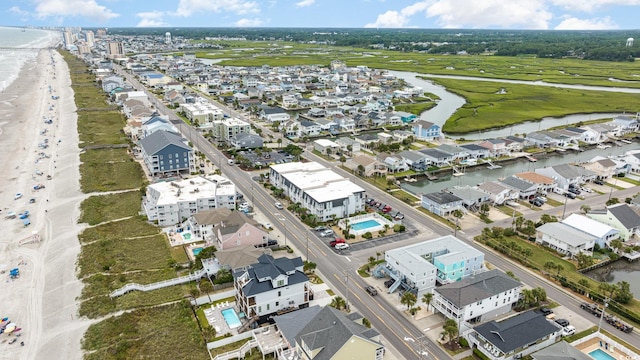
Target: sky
[[429, 14]]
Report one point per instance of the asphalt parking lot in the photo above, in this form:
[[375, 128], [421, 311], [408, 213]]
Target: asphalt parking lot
[[266, 158]]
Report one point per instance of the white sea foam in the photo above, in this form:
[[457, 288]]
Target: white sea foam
[[12, 61]]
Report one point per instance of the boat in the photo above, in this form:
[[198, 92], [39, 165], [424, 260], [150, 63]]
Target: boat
[[531, 158], [603, 146]]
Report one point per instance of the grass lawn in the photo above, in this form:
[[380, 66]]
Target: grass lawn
[[128, 228], [630, 181], [508, 211], [179, 254], [554, 203], [163, 332], [99, 168], [417, 108], [100, 208], [486, 109], [120, 255], [101, 128]]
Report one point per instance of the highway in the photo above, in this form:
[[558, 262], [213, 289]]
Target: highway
[[339, 270]]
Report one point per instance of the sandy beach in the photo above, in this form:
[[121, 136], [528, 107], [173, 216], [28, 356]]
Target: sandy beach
[[42, 300]]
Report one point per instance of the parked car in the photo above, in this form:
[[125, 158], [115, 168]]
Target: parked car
[[587, 190], [267, 226], [17, 196], [342, 246], [320, 228], [326, 233], [546, 311], [371, 290], [267, 244], [536, 202], [398, 215], [562, 322], [598, 181], [279, 206], [388, 283], [386, 209], [574, 190], [568, 330], [336, 241], [570, 195]]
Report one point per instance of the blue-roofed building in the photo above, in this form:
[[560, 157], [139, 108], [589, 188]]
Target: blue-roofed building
[[166, 152], [271, 286]]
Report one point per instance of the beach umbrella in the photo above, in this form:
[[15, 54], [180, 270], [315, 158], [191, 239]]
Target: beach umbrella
[[9, 329]]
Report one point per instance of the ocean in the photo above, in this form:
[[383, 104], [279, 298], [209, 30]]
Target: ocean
[[11, 61]]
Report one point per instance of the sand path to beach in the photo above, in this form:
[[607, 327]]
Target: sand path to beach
[[43, 300]]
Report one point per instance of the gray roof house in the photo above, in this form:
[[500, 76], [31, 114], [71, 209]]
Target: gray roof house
[[620, 216], [416, 160], [524, 188], [565, 239], [561, 350], [567, 174], [514, 337], [498, 193], [441, 203], [326, 333], [478, 297], [476, 151], [246, 141], [271, 286], [457, 151], [166, 152], [472, 198], [436, 157]]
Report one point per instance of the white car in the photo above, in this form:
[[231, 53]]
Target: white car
[[279, 206], [17, 196], [587, 190], [568, 330], [267, 226], [342, 246]]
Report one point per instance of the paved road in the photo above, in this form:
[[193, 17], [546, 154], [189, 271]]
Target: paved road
[[339, 269]]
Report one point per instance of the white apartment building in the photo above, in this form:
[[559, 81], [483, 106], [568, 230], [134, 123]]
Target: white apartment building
[[227, 128], [205, 113], [477, 298], [170, 203], [418, 267], [323, 192]]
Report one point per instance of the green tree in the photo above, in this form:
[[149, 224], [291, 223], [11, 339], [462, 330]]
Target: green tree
[[366, 323], [549, 265], [484, 209], [451, 329], [309, 267], [427, 298], [408, 299], [613, 201], [616, 245], [338, 303], [584, 283], [624, 294], [519, 222], [584, 260], [585, 208]]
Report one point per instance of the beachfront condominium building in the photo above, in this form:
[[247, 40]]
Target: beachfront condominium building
[[167, 152], [90, 38], [271, 286], [420, 266], [323, 192], [204, 113], [115, 49], [170, 203]]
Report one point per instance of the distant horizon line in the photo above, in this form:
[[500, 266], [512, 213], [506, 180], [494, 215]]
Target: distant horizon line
[[311, 28]]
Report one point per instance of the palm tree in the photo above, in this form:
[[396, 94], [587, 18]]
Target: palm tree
[[519, 222], [338, 303], [451, 329], [585, 208], [408, 299], [426, 298]]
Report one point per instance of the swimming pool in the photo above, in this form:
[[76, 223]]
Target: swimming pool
[[186, 236], [365, 225], [232, 319], [599, 354], [196, 251]]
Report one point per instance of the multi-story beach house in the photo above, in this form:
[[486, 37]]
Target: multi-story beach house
[[166, 152]]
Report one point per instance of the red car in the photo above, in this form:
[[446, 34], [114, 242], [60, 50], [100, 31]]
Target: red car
[[336, 241], [386, 209]]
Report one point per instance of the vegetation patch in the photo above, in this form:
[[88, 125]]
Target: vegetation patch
[[101, 128], [488, 107], [128, 228], [109, 170], [417, 108], [100, 208], [163, 332]]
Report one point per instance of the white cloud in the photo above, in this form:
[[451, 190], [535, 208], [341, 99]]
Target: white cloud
[[151, 19], [82, 8], [592, 5], [188, 7], [305, 3], [16, 10], [248, 22], [398, 19], [531, 14], [572, 23]]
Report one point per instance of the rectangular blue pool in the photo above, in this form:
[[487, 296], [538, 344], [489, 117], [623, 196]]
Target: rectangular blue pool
[[232, 319], [599, 354], [365, 225]]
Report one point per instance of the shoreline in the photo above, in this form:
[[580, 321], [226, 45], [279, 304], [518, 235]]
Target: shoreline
[[42, 301]]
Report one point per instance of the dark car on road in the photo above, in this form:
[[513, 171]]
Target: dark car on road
[[546, 311], [371, 290]]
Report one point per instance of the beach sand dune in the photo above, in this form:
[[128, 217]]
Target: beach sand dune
[[43, 300]]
